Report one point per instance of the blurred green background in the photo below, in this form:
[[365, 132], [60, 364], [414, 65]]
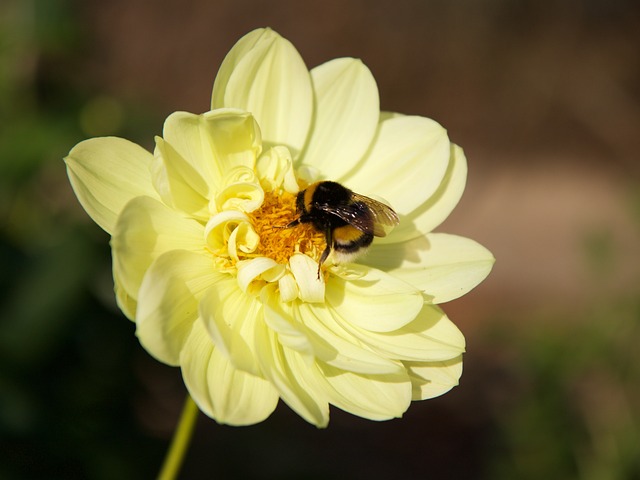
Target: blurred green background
[[545, 98]]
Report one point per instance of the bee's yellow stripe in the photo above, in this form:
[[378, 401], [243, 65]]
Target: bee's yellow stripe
[[346, 234]]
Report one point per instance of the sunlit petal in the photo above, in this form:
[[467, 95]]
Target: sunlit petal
[[375, 301], [220, 390], [292, 383], [264, 74], [345, 118], [434, 211], [230, 317], [406, 148], [432, 379], [168, 301], [443, 266], [430, 336], [106, 173], [376, 397], [146, 229]]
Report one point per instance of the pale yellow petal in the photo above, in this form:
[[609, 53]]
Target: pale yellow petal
[[178, 183], [168, 301], [334, 345], [432, 379], [106, 173], [214, 143], [430, 337], [275, 170], [241, 190], [443, 266], [375, 301], [145, 230], [292, 386], [224, 393], [220, 227], [311, 287], [264, 74], [252, 270], [280, 318], [230, 317], [345, 118], [434, 211], [288, 288], [406, 164], [126, 303], [376, 397]]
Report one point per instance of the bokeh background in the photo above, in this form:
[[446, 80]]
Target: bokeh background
[[545, 98]]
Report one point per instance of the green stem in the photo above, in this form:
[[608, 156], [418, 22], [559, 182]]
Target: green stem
[[180, 441]]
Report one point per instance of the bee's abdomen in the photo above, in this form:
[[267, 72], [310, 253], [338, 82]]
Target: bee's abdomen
[[349, 239]]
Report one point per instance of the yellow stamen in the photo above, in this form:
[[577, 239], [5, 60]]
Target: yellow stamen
[[280, 243]]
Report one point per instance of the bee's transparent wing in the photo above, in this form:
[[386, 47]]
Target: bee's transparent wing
[[365, 214]]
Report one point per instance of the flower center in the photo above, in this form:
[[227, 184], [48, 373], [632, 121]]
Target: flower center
[[277, 242]]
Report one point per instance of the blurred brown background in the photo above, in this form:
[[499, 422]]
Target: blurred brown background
[[545, 99]]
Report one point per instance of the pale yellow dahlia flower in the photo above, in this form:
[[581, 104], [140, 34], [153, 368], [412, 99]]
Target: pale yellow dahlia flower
[[215, 287]]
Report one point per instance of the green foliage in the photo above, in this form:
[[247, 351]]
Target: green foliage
[[66, 384], [577, 411]]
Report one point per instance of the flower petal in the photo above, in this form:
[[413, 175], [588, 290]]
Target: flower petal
[[335, 346], [168, 301], [346, 116], [291, 381], [305, 271], [226, 394], [443, 266], [374, 301], [435, 210], [264, 74], [179, 185], [376, 397], [406, 164], [252, 270], [432, 379], [125, 302], [106, 173], [146, 229], [230, 317], [214, 143], [430, 337]]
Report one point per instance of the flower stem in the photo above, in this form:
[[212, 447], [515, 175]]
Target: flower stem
[[180, 441]]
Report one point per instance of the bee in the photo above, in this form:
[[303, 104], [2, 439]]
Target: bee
[[348, 220]]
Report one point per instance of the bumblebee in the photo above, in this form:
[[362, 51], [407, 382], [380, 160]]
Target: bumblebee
[[348, 220]]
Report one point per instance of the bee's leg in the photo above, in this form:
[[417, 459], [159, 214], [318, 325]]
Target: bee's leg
[[327, 250], [297, 221]]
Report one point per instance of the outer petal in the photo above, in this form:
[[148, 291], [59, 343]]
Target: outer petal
[[335, 346], [374, 301], [292, 383], [265, 75], [125, 302], [432, 213], [443, 266], [376, 397], [218, 388], [168, 301], [346, 116], [196, 153], [406, 165], [430, 337], [431, 379], [230, 317], [106, 173], [145, 230], [214, 143]]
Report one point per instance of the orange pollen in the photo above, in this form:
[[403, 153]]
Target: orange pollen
[[276, 241]]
